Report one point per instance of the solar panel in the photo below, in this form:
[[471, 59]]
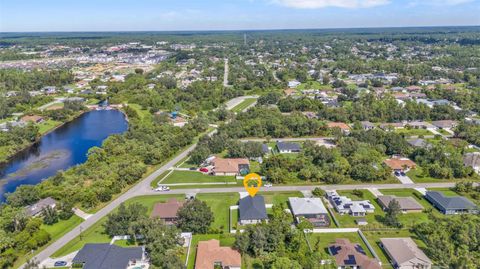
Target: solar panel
[[334, 250], [360, 249], [351, 260]]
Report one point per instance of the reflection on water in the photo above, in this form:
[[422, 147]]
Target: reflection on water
[[60, 149]]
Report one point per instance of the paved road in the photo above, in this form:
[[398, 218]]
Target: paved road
[[225, 74], [306, 188], [288, 139]]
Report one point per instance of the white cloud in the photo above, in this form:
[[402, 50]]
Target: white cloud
[[440, 2], [311, 4]]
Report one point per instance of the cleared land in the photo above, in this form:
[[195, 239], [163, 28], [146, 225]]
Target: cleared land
[[247, 102]]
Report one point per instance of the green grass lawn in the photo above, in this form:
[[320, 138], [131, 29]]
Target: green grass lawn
[[196, 177], [312, 84], [48, 125], [247, 102], [144, 114], [60, 228], [279, 198], [226, 240], [321, 241], [413, 132], [96, 233], [220, 205]]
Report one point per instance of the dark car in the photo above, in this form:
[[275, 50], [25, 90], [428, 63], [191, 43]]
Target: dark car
[[60, 263], [397, 173]]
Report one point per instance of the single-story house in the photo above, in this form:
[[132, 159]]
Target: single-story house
[[366, 125], [230, 167], [405, 254], [345, 205], [391, 126], [293, 83], [400, 164], [351, 255], [445, 124], [167, 211], [32, 118], [312, 209], [414, 88], [37, 208], [290, 92], [265, 149], [287, 147], [419, 143], [420, 125], [407, 204], [106, 256], [472, 159], [211, 255], [252, 210], [343, 126], [450, 205], [178, 121]]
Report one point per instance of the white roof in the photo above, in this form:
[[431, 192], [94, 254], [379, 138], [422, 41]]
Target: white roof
[[303, 206]]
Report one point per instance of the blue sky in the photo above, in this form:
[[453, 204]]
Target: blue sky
[[166, 15]]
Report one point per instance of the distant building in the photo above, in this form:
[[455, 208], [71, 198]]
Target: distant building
[[293, 84], [472, 159], [400, 164], [32, 118], [252, 210], [287, 147], [419, 143], [106, 256], [230, 167], [312, 209], [450, 205], [290, 92], [167, 211], [445, 124], [211, 255], [366, 125], [405, 254], [351, 255], [407, 204], [345, 205], [37, 208], [343, 126]]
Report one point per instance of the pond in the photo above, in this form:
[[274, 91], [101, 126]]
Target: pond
[[60, 149]]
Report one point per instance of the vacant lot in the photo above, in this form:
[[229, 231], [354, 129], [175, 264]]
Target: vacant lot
[[196, 177]]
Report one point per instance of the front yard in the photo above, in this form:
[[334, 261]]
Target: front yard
[[196, 177]]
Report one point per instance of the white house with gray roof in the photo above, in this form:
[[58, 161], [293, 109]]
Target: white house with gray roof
[[450, 205], [288, 147], [37, 208], [312, 209], [345, 205], [405, 254]]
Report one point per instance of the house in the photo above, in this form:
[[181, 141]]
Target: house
[[290, 92], [361, 221], [405, 254], [167, 211], [106, 256], [414, 88], [230, 167], [211, 255], [252, 210], [391, 126], [366, 125], [49, 90], [445, 124], [473, 160], [419, 143], [265, 149], [178, 121], [420, 125], [350, 255], [450, 205], [343, 126], [293, 83], [37, 208], [407, 204], [312, 209], [286, 147], [400, 164], [32, 118], [345, 205]]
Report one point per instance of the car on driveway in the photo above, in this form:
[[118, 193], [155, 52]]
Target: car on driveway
[[60, 263], [162, 188], [204, 170], [268, 184]]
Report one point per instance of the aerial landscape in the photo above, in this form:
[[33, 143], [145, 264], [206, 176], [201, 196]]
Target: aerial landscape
[[240, 134]]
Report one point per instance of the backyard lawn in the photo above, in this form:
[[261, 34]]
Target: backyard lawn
[[196, 177], [321, 241], [220, 205], [47, 125], [413, 132], [225, 241]]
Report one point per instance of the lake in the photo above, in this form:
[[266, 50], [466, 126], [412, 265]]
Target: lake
[[60, 149]]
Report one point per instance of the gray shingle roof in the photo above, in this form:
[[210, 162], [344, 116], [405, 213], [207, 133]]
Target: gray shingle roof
[[284, 146], [252, 208], [450, 203], [36, 208], [302, 206], [106, 256]]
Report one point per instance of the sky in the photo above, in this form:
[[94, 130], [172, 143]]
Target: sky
[[172, 15]]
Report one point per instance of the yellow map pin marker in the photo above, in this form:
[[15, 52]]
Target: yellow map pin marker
[[252, 183]]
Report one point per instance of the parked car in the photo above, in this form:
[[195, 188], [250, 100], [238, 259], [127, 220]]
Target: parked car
[[60, 263], [268, 184], [204, 170], [162, 188], [397, 173], [402, 173], [192, 168]]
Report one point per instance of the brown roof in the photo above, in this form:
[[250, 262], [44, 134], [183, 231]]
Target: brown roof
[[340, 125], [406, 203], [210, 252], [289, 91], [414, 88], [33, 118], [228, 165], [344, 252], [398, 164], [167, 210]]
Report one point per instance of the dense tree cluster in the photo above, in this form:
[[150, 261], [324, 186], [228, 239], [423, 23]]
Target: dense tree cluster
[[16, 139]]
